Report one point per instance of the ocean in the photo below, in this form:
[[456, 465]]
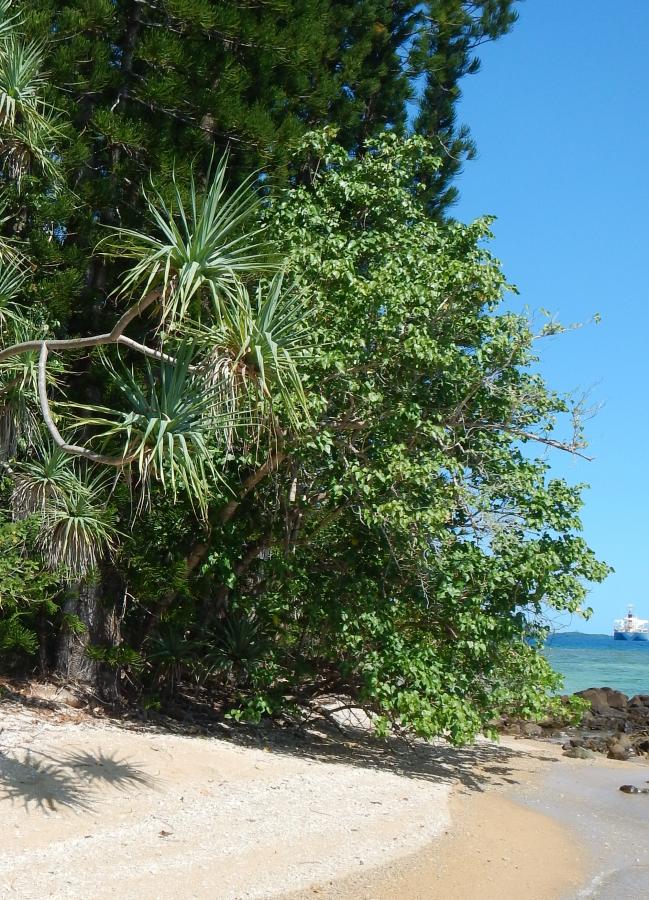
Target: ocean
[[596, 660]]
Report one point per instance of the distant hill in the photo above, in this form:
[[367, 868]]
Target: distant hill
[[579, 640], [560, 637]]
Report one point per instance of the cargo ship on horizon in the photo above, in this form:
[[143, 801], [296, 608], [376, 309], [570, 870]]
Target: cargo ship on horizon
[[631, 628]]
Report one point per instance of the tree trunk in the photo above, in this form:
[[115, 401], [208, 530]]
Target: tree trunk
[[92, 603], [80, 608]]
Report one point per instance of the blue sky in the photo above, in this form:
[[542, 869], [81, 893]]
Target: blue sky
[[560, 114]]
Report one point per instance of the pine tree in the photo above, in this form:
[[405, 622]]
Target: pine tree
[[445, 53], [135, 91], [151, 89]]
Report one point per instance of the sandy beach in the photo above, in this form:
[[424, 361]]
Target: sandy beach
[[94, 808]]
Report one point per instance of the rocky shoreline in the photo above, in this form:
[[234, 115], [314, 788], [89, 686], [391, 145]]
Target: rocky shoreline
[[616, 725]]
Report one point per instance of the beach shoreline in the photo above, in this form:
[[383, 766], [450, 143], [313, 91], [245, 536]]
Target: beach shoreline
[[559, 830], [496, 848], [108, 809]]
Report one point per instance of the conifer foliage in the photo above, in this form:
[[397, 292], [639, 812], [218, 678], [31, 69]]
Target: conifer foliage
[[262, 424]]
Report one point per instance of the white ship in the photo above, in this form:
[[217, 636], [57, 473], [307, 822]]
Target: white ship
[[631, 628]]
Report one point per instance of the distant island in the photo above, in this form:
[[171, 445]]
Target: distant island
[[560, 637], [580, 640]]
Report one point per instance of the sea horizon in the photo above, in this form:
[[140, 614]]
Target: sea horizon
[[597, 660]]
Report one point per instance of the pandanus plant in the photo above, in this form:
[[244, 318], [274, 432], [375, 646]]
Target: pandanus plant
[[228, 338], [28, 123], [229, 335]]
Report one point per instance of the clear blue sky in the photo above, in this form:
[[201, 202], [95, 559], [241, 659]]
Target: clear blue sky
[[560, 113]]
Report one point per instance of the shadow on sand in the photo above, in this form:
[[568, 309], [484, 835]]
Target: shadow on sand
[[325, 739], [40, 781], [472, 767]]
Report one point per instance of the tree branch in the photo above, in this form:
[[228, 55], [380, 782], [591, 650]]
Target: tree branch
[[273, 462], [572, 447], [115, 336], [96, 340], [73, 449]]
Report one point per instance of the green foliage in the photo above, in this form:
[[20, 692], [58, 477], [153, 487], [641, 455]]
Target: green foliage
[[27, 121], [72, 624], [165, 429], [188, 246], [117, 657], [171, 654], [425, 539], [23, 580], [238, 646], [78, 527], [336, 391], [40, 479], [25, 588]]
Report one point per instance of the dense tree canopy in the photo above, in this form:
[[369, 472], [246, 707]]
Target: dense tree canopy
[[147, 88], [272, 436]]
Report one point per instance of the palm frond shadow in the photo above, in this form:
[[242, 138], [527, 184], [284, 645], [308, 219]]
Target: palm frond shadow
[[41, 785], [41, 782], [108, 769]]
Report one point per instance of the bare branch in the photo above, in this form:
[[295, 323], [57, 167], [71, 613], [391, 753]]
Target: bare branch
[[95, 340], [115, 336], [149, 351], [568, 447], [73, 449]]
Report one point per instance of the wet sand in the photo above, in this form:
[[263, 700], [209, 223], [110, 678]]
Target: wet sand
[[553, 829], [92, 808], [497, 848]]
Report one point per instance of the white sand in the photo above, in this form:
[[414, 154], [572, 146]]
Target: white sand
[[89, 809]]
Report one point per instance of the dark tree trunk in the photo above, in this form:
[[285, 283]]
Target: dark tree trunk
[[43, 630], [80, 608], [109, 633], [91, 603]]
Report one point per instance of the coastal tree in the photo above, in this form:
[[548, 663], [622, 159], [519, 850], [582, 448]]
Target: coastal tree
[[346, 500], [412, 539], [273, 441]]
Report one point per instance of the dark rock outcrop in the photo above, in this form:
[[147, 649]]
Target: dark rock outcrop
[[604, 699], [614, 725], [611, 710]]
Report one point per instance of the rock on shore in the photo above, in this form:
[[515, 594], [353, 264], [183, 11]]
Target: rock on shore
[[615, 725]]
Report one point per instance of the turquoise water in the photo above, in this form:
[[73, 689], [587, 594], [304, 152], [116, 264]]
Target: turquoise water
[[591, 805], [596, 660]]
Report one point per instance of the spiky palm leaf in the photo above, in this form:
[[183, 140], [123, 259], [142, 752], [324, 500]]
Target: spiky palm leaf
[[9, 252], [167, 430], [172, 652], [40, 479], [30, 144], [239, 643], [28, 127], [78, 527], [20, 417], [21, 81], [254, 349], [206, 241], [8, 20], [12, 282]]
